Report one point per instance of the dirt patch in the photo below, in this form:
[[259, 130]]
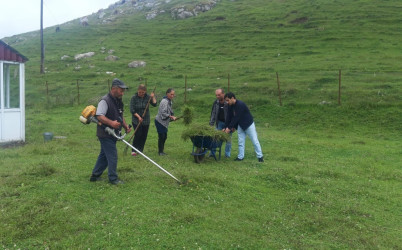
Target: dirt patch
[[220, 18], [299, 20], [12, 144]]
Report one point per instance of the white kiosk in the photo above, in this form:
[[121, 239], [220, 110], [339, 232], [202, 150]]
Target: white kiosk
[[12, 94]]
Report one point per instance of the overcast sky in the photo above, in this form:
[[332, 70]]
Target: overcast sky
[[20, 16]]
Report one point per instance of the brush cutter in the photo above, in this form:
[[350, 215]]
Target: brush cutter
[[88, 116]]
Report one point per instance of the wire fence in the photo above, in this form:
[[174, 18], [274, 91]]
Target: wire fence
[[288, 88]]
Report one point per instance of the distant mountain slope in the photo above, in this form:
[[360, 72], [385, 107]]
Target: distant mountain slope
[[306, 41]]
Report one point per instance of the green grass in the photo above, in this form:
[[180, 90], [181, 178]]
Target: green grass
[[331, 176], [317, 188]]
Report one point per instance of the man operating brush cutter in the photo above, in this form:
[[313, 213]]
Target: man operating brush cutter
[[110, 134], [110, 115]]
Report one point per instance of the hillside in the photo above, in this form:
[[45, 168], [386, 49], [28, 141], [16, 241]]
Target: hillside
[[306, 42]]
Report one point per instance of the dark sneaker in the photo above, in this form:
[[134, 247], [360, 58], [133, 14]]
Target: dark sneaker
[[261, 159], [238, 159], [161, 154], [116, 182], [95, 178]]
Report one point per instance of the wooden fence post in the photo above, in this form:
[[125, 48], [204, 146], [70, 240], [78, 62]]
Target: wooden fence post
[[339, 91], [185, 89], [228, 82], [78, 92], [279, 89], [47, 92]]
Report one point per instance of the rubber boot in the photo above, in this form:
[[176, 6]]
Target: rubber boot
[[161, 143]]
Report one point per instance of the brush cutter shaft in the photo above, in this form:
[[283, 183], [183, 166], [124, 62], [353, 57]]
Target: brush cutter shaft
[[120, 138], [149, 159]]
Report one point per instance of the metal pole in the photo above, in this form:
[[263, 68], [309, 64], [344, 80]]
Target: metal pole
[[42, 49]]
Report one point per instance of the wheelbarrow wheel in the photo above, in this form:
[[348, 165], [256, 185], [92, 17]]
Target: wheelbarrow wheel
[[199, 157]]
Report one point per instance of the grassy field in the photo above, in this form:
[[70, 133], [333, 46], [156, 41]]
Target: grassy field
[[318, 188], [331, 176]]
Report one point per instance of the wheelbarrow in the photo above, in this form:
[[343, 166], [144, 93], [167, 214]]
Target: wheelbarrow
[[203, 144]]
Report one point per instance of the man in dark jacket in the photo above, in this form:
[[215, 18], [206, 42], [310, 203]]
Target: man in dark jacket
[[240, 118], [110, 114], [219, 115]]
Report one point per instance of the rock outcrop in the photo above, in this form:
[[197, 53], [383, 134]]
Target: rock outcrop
[[84, 55], [136, 64], [183, 12], [111, 58], [152, 9]]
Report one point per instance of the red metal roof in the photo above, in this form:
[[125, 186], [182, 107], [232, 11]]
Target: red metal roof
[[7, 53]]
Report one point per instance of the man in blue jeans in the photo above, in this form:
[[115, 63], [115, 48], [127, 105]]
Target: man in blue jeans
[[110, 114], [240, 118], [218, 117]]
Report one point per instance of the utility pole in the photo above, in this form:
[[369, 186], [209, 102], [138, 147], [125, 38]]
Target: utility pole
[[42, 52]]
